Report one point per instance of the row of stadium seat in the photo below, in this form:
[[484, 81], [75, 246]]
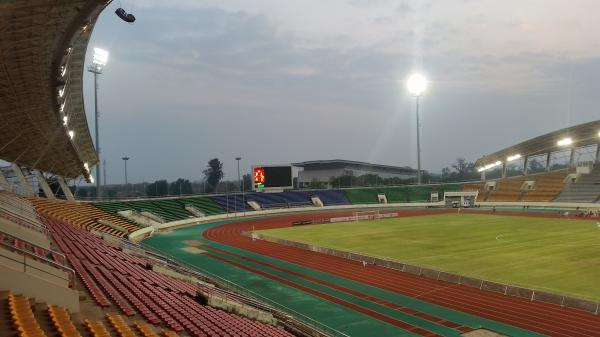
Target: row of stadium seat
[[399, 194], [134, 289], [546, 188], [83, 215], [26, 324]]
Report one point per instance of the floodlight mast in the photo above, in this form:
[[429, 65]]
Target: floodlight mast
[[98, 62], [416, 85]]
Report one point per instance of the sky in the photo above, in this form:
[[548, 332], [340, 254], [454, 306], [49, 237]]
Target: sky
[[277, 82]]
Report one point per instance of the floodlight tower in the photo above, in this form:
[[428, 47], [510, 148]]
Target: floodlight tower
[[416, 85], [98, 63], [125, 159]]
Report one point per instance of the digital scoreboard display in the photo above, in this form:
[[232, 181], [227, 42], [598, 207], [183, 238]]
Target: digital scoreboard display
[[271, 177]]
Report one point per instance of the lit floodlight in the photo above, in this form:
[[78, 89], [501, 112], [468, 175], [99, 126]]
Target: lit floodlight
[[91, 179], [489, 166], [86, 167], [61, 92], [598, 133], [416, 84], [565, 142], [62, 107], [64, 71], [71, 134], [100, 57], [65, 120], [513, 157]]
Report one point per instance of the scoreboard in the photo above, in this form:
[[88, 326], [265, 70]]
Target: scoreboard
[[271, 177]]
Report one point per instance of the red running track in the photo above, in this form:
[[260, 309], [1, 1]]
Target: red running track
[[541, 317]]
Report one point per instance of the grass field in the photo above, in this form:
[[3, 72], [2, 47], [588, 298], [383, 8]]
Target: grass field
[[557, 255]]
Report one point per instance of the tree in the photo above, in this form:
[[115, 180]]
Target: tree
[[213, 174], [247, 182], [158, 188], [180, 186], [535, 166]]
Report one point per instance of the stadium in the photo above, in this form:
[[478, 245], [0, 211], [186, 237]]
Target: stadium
[[513, 250]]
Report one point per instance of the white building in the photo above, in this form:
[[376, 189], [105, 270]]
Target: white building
[[322, 171]]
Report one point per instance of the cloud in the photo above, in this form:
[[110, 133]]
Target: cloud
[[277, 81]]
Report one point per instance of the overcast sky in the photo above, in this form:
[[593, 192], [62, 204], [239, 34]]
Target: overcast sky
[[285, 81]]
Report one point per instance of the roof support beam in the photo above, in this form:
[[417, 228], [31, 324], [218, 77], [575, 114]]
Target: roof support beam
[[65, 188], [25, 186], [44, 184], [4, 184]]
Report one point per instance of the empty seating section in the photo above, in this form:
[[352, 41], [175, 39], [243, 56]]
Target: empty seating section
[[113, 277], [96, 328], [585, 189], [231, 203], [507, 190], [22, 317], [331, 197], [167, 209], [120, 326], [547, 186], [62, 322], [83, 215], [401, 194]]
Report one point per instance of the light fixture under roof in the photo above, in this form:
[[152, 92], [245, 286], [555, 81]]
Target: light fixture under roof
[[565, 142], [71, 134], [65, 120], [513, 157], [489, 166]]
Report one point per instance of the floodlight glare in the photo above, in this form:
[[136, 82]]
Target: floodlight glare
[[565, 142], [513, 157], [416, 84], [91, 179], [62, 107], [65, 120], [72, 134], [100, 57], [86, 166], [598, 133]]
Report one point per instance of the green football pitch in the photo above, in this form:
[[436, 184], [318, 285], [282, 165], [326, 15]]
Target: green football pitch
[[551, 254]]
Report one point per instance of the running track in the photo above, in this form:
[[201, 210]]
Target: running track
[[540, 317]]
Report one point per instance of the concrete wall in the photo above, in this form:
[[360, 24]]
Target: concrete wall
[[18, 231], [20, 282]]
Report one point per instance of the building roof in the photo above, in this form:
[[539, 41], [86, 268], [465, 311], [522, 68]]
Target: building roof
[[322, 164], [38, 40], [582, 135]]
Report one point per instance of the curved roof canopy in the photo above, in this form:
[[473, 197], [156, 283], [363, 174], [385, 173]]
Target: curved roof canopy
[[42, 54], [580, 135]]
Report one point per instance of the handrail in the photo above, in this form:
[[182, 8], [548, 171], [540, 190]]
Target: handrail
[[35, 245], [10, 216], [211, 277], [70, 272]]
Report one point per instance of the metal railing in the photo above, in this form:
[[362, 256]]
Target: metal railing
[[27, 256]]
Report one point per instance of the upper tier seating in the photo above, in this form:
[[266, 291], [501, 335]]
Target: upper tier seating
[[83, 215], [113, 277], [547, 186], [585, 189]]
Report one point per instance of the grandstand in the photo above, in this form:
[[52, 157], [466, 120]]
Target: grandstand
[[193, 265]]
